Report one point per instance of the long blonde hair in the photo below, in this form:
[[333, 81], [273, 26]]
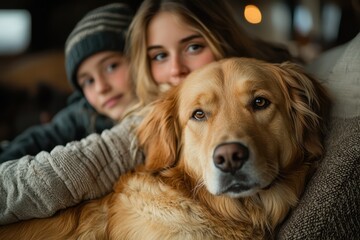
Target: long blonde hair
[[211, 19]]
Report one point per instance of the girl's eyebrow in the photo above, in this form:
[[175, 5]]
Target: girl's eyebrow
[[189, 38], [186, 39]]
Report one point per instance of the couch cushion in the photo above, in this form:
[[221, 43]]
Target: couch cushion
[[330, 205]]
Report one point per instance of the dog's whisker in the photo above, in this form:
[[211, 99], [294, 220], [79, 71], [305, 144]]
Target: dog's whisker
[[199, 185]]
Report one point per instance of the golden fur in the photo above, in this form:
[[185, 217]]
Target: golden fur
[[228, 154]]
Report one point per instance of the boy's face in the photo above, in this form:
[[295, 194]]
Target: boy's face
[[104, 79]]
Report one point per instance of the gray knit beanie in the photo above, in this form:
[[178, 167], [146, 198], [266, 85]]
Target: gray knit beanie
[[102, 29]]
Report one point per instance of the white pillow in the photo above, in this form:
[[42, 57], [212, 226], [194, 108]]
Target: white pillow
[[339, 70]]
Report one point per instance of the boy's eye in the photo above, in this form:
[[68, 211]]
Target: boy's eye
[[86, 82], [111, 67]]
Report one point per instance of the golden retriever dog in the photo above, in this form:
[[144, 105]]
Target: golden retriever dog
[[228, 153]]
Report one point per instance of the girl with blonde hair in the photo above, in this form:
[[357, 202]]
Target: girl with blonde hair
[[213, 20], [168, 39]]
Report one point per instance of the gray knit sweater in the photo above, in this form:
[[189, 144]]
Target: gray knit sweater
[[41, 185]]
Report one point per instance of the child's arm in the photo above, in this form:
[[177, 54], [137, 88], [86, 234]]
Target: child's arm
[[37, 187], [72, 123]]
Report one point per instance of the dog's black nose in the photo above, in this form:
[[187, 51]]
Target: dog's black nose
[[230, 157]]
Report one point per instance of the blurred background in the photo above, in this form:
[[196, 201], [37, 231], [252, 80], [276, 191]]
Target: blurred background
[[33, 85]]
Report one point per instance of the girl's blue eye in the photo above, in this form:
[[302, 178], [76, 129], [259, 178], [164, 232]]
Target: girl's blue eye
[[159, 57], [195, 47]]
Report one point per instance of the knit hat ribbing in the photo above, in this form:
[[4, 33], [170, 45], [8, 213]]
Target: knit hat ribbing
[[102, 29]]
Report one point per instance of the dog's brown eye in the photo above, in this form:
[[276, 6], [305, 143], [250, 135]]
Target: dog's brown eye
[[260, 103], [199, 115]]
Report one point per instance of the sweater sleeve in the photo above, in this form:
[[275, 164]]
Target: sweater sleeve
[[37, 187]]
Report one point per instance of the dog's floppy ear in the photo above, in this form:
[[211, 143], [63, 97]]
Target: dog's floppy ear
[[309, 107], [159, 133]]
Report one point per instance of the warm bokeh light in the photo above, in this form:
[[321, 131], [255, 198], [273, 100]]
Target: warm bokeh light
[[252, 14]]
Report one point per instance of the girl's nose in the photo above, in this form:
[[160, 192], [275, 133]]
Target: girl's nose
[[178, 67]]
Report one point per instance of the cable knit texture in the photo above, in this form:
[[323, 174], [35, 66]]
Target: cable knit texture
[[41, 185]]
